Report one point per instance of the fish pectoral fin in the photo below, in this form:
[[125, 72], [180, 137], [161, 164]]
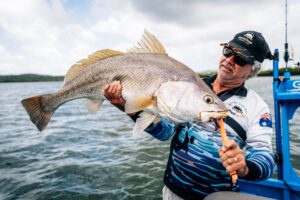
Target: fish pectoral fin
[[93, 105], [139, 103], [144, 120]]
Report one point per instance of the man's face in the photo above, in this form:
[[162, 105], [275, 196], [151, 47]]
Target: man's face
[[231, 73]]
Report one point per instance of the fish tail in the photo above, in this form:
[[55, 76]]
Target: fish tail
[[34, 108]]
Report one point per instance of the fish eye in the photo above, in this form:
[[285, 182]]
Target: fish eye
[[208, 99]]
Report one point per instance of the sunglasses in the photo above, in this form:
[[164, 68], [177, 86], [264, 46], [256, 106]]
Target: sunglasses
[[228, 52]]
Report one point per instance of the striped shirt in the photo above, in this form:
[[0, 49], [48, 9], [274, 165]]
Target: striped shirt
[[194, 168]]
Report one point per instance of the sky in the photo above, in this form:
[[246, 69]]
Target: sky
[[49, 36]]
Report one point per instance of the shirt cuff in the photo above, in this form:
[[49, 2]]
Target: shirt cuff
[[254, 171]]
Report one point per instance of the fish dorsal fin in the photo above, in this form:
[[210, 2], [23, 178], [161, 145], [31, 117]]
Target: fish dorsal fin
[[98, 55], [148, 44]]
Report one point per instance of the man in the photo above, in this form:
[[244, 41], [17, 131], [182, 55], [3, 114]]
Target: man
[[198, 163]]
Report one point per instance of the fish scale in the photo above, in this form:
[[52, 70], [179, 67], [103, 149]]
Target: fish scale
[[152, 82]]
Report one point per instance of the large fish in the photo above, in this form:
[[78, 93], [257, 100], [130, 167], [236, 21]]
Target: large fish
[[152, 82]]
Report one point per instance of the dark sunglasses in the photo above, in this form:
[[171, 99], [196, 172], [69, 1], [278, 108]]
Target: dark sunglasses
[[228, 52]]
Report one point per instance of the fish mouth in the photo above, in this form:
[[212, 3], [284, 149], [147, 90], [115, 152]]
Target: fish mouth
[[206, 116]]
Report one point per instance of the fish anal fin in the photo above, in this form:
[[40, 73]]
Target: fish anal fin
[[93, 105], [139, 103], [95, 57], [144, 120]]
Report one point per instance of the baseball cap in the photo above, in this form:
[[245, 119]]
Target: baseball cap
[[251, 45]]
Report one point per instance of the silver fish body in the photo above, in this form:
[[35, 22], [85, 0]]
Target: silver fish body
[[151, 82]]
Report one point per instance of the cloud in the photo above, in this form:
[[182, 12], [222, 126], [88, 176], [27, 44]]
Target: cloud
[[47, 37]]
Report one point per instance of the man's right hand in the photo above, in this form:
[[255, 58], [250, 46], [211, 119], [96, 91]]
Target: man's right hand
[[113, 93]]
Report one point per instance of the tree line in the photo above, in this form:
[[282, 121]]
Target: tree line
[[269, 72], [40, 78], [29, 78]]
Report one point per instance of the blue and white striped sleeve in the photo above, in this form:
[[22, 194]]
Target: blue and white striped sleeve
[[259, 154], [163, 130], [261, 165]]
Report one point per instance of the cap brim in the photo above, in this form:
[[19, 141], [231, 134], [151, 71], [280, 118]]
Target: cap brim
[[244, 53]]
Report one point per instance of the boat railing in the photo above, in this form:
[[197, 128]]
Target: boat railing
[[286, 93]]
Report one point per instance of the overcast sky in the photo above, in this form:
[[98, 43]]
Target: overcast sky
[[47, 37]]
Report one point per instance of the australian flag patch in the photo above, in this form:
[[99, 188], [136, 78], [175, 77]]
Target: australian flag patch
[[265, 120]]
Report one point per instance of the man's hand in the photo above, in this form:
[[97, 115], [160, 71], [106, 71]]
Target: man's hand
[[233, 158], [113, 93]]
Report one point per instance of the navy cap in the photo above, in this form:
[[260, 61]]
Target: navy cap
[[251, 45]]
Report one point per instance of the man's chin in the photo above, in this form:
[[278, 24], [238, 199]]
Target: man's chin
[[225, 75]]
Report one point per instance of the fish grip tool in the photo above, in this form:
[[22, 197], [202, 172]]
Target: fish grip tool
[[234, 176]]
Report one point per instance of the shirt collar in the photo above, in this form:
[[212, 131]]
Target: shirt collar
[[239, 91]]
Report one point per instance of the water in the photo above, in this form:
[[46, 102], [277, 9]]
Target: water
[[86, 156]]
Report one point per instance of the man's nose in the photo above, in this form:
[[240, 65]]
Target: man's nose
[[230, 59]]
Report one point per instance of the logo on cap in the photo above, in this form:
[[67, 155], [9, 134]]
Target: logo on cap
[[247, 38]]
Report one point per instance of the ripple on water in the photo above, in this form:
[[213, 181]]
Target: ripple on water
[[82, 155]]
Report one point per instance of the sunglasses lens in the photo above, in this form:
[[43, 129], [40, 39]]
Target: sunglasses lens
[[238, 60], [227, 52]]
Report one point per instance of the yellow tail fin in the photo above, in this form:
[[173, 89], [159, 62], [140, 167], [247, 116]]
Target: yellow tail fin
[[35, 111]]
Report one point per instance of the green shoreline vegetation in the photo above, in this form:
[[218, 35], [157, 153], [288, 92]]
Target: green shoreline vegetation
[[41, 78], [269, 72], [29, 78]]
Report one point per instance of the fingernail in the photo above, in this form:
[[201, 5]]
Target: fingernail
[[223, 148]]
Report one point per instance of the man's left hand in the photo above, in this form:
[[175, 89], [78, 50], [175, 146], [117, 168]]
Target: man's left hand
[[233, 158]]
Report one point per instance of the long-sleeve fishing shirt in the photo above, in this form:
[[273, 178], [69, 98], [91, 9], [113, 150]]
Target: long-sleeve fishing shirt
[[194, 167]]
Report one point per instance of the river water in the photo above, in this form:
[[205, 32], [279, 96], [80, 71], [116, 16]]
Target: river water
[[86, 156]]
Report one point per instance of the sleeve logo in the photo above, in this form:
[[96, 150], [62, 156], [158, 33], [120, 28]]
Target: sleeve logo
[[265, 120]]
